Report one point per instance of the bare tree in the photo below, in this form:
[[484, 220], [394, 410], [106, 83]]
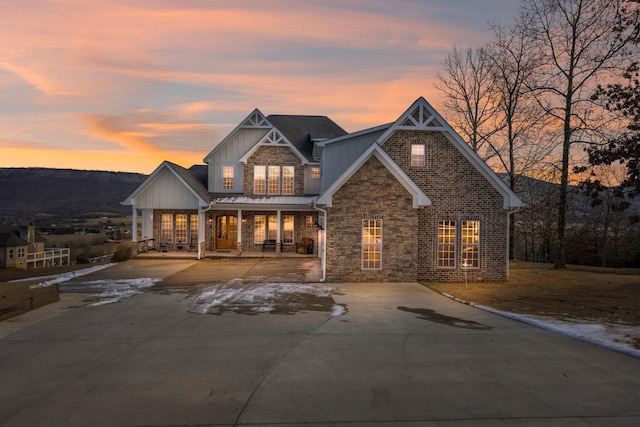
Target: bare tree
[[583, 41], [467, 83]]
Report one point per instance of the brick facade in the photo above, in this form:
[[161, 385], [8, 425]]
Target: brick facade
[[458, 192], [274, 156], [374, 192]]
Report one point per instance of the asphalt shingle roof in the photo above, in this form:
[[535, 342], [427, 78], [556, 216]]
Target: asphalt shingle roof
[[300, 130]]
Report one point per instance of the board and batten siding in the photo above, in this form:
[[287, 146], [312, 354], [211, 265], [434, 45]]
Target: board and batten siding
[[337, 157], [229, 154], [166, 191], [312, 185]]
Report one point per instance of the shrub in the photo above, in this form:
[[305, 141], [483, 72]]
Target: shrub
[[121, 254]]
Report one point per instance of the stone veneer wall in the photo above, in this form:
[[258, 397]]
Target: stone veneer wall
[[157, 222], [248, 245], [457, 192], [274, 156], [372, 190]]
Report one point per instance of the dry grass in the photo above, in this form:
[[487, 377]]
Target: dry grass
[[589, 293]]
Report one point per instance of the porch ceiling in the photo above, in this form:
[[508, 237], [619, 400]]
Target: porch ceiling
[[263, 203]]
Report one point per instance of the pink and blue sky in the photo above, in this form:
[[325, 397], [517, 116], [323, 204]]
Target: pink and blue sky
[[122, 85]]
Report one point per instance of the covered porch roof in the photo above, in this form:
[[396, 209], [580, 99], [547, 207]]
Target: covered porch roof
[[263, 203]]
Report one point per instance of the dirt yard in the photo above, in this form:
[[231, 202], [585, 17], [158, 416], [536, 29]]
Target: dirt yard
[[589, 293]]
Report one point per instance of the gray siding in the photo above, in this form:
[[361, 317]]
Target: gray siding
[[311, 185], [166, 191], [338, 156], [230, 153]]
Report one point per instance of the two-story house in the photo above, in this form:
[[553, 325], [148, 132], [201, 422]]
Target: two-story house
[[403, 201]]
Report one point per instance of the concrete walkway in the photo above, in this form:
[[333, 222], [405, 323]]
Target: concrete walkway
[[401, 355]]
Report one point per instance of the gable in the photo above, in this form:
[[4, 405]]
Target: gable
[[166, 189], [422, 118], [255, 120], [274, 138], [419, 198]]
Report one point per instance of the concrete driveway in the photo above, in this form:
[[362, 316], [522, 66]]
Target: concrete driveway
[[401, 355]]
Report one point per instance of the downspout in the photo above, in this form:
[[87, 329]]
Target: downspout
[[323, 260]]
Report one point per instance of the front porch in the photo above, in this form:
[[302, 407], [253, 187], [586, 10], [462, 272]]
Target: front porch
[[219, 254]]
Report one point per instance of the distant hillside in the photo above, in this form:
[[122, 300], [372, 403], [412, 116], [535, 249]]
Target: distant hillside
[[27, 192]]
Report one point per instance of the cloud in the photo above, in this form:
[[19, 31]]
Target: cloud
[[161, 78], [149, 131]]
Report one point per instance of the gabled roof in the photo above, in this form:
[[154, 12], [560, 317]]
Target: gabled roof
[[419, 198], [302, 131], [255, 120], [274, 138], [422, 116], [188, 179], [374, 131], [9, 239]]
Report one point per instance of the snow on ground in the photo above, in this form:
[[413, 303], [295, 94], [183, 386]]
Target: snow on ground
[[621, 338], [110, 291], [60, 278], [254, 298]]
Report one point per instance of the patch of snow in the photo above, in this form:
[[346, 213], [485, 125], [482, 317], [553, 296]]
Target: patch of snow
[[338, 310], [60, 278], [615, 337], [111, 291], [255, 297]]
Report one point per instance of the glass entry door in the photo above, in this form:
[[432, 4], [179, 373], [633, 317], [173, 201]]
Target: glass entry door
[[227, 232]]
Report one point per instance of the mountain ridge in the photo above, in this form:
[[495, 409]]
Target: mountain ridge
[[29, 192]]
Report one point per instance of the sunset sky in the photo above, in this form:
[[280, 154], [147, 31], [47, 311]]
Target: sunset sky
[[122, 85]]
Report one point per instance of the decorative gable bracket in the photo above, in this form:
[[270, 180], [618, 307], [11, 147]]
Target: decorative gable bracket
[[274, 138], [255, 120]]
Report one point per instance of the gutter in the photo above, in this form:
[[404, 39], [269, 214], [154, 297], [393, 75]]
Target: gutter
[[323, 260]]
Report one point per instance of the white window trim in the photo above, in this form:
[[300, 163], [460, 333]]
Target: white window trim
[[424, 155], [455, 245], [362, 267], [233, 187], [468, 244], [265, 179], [319, 172], [293, 180]]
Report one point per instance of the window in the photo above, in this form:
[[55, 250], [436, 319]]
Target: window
[[272, 227], [259, 229], [193, 229], [287, 229], [371, 244], [417, 155], [274, 180], [20, 252], [315, 172], [446, 244], [470, 240], [166, 227], [287, 179], [181, 228], [227, 177], [310, 223], [11, 253], [259, 179]]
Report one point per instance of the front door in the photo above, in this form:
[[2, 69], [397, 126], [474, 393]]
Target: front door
[[227, 232]]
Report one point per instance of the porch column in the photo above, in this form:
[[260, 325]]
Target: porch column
[[147, 226], [134, 230], [278, 241], [201, 225], [239, 243]]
